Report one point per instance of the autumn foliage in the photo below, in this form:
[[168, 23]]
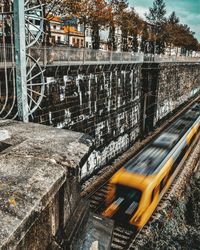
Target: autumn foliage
[[151, 36]]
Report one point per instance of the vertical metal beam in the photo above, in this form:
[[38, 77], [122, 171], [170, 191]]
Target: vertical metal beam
[[20, 50]]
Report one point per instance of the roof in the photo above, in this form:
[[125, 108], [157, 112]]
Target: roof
[[73, 30], [54, 18], [66, 28]]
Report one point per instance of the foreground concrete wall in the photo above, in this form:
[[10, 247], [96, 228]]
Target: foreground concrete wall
[[39, 183]]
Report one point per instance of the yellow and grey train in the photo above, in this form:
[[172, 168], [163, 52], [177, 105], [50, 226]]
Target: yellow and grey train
[[135, 190]]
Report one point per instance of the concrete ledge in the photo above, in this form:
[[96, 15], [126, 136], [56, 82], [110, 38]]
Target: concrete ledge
[[39, 169]]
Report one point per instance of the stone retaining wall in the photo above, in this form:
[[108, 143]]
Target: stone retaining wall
[[114, 104], [102, 101]]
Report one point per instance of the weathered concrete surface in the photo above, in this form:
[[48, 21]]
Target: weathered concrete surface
[[39, 168]]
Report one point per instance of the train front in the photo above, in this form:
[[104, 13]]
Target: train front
[[126, 199]]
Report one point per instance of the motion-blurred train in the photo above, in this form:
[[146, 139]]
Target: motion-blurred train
[[135, 190]]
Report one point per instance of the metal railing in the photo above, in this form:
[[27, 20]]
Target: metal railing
[[7, 63], [174, 58], [63, 55]]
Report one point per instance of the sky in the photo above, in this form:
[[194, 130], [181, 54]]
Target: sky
[[188, 11]]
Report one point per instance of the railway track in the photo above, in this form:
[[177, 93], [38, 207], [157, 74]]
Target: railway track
[[122, 234], [125, 235]]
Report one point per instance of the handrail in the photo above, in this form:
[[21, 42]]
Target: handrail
[[65, 55]]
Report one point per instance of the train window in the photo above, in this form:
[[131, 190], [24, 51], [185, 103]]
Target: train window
[[162, 184], [147, 161], [166, 140], [153, 195], [180, 157], [128, 193], [173, 168], [154, 192]]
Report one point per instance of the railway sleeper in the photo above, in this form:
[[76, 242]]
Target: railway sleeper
[[119, 242], [105, 189], [102, 195], [123, 230], [115, 246], [97, 198], [92, 206], [122, 236], [95, 202]]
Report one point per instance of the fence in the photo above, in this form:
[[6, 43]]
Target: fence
[[62, 56], [7, 62]]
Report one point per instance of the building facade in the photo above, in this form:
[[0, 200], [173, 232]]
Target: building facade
[[65, 34]]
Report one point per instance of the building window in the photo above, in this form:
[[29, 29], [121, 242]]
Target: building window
[[81, 42], [53, 39], [59, 39], [78, 42], [73, 41], [54, 27], [87, 32], [86, 44]]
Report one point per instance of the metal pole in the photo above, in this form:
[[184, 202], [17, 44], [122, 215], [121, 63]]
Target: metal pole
[[20, 54]]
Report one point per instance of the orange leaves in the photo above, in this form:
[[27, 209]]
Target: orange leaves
[[99, 12], [12, 201]]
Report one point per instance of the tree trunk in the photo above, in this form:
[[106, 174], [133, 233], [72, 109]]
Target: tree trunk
[[124, 41], [112, 43], [95, 36], [46, 29], [135, 43], [84, 30]]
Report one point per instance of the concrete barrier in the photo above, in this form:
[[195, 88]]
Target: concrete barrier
[[39, 183]]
